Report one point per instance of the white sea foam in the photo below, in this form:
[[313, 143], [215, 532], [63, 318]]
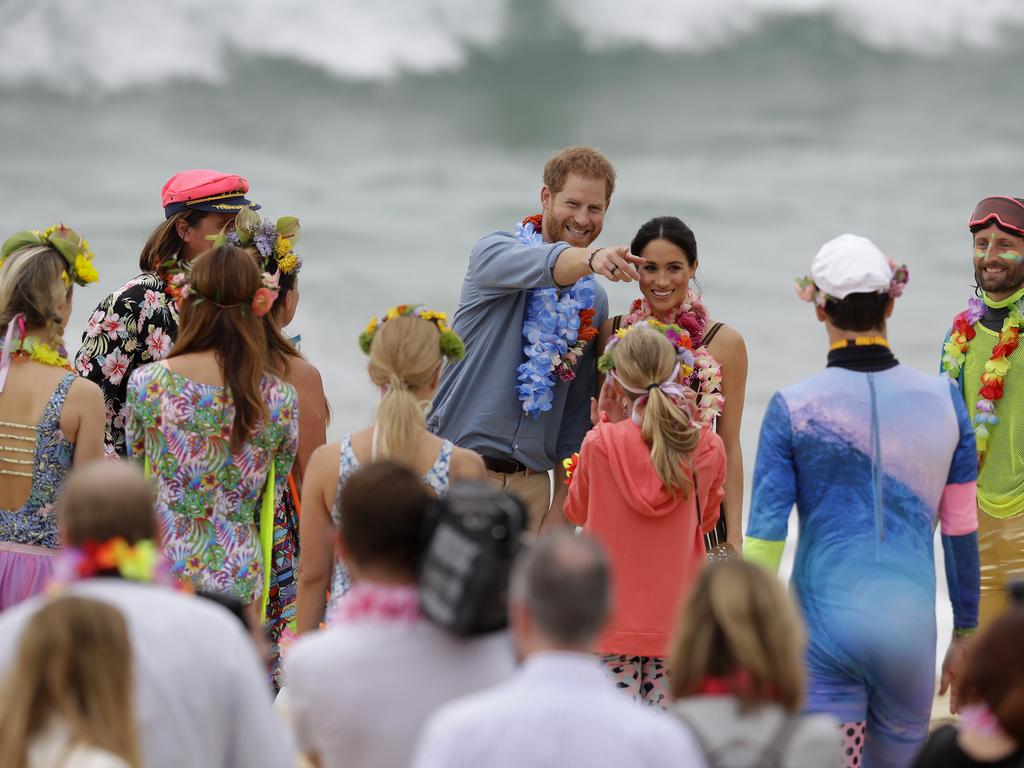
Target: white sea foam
[[116, 44], [918, 26]]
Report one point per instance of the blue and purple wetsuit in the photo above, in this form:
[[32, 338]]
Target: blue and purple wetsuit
[[871, 452]]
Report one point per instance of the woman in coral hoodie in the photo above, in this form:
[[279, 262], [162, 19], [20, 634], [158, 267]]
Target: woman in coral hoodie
[[647, 488]]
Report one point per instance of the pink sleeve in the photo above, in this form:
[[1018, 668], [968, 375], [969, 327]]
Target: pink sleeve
[[958, 509], [578, 498]]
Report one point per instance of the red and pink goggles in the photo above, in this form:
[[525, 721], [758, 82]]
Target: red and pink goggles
[[1007, 213]]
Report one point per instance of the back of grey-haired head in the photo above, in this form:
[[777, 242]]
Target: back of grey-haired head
[[564, 583]]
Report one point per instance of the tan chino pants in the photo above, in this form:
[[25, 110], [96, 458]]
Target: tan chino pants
[[534, 488], [1001, 551]]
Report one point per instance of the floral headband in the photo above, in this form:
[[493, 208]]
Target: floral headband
[[262, 301], [451, 345], [679, 337], [68, 243], [806, 290], [272, 244], [272, 241]]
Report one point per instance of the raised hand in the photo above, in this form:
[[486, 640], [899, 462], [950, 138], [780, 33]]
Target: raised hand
[[617, 264]]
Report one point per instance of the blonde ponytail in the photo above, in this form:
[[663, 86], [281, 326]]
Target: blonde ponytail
[[672, 436], [405, 355], [399, 419], [645, 359]]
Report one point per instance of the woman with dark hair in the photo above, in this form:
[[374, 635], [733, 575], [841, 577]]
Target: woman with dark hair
[[218, 429], [272, 244], [990, 731], [670, 250], [138, 323]]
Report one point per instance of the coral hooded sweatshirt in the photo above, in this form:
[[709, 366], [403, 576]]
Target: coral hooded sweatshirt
[[653, 539]]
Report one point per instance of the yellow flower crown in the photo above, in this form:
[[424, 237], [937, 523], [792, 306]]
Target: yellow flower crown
[[68, 243], [451, 345]]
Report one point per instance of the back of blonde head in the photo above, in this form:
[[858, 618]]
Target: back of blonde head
[[739, 623], [644, 357], [73, 667], [405, 355], [31, 284]]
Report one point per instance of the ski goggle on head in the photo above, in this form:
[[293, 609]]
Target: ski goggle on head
[[1007, 213]]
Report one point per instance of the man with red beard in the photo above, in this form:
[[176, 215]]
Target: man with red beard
[[979, 354], [529, 313]]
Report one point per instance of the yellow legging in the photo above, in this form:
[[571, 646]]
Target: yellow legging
[[1001, 550]]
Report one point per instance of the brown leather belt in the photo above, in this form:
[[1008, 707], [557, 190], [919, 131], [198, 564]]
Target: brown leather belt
[[504, 466]]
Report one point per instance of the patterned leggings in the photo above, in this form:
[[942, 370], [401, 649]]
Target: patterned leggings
[[644, 677], [853, 743]]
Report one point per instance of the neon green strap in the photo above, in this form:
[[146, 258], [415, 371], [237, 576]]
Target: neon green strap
[[267, 538], [1011, 299], [764, 552]]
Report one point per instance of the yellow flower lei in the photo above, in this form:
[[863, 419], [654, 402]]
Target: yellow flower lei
[[39, 351]]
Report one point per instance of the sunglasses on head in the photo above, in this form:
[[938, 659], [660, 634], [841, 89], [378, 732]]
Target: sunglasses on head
[[1005, 212]]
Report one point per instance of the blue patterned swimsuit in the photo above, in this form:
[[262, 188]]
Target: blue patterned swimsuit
[[31, 531], [436, 479]]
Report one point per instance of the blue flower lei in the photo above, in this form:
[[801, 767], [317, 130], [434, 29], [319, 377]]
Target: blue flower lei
[[550, 330]]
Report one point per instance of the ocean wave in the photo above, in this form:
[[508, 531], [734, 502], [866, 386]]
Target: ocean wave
[[113, 45]]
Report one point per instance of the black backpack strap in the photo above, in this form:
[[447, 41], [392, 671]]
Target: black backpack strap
[[710, 334]]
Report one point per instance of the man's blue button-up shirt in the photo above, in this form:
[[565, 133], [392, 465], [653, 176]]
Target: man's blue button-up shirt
[[477, 405]]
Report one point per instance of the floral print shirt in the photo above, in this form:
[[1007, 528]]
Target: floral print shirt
[[208, 499], [135, 325]]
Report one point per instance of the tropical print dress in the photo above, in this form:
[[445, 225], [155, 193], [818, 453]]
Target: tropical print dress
[[208, 498], [135, 325]]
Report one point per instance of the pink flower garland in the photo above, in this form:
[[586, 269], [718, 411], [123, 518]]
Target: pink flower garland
[[690, 315], [368, 600]]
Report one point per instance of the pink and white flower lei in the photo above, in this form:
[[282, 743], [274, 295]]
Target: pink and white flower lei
[[689, 315], [368, 600], [692, 316]]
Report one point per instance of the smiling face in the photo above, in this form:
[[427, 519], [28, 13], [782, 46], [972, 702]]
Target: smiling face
[[666, 275], [575, 214], [998, 262]]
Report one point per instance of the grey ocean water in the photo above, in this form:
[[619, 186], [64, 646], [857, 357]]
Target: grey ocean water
[[400, 133]]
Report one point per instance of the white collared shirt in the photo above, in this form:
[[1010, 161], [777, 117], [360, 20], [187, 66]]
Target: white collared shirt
[[202, 698], [361, 690], [560, 709]]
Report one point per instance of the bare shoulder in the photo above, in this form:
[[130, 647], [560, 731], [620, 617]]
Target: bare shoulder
[[467, 465], [324, 461], [84, 393], [304, 375], [728, 345]]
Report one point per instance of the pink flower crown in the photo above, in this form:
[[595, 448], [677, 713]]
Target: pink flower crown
[[806, 290]]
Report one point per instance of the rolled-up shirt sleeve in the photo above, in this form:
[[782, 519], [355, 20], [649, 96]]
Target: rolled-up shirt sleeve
[[501, 263]]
